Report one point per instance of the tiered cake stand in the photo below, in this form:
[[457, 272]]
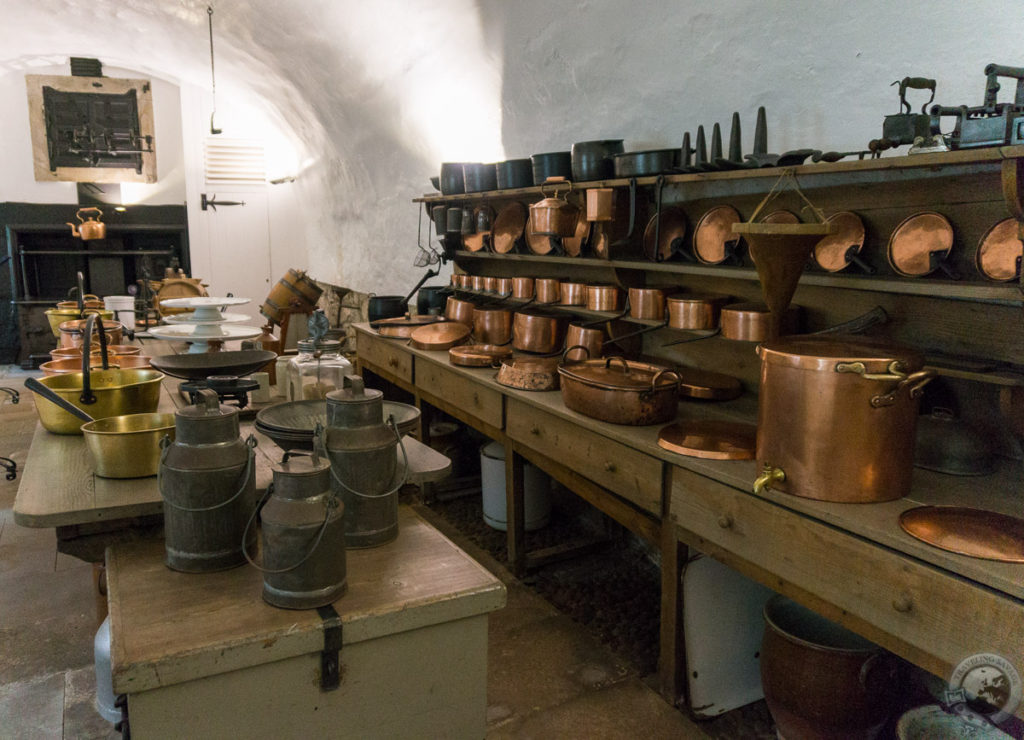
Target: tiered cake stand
[[206, 324]]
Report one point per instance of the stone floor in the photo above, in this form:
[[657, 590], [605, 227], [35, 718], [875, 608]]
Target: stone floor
[[548, 677]]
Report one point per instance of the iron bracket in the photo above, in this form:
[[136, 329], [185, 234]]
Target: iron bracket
[[330, 657]]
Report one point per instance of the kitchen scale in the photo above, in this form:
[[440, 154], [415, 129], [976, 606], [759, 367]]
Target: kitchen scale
[[227, 387], [207, 323]]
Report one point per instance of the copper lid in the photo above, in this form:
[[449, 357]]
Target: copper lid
[[697, 383], [710, 439], [600, 241], [478, 355], [713, 232], [847, 231], [537, 243], [614, 373], [573, 245], [439, 336], [999, 252], [508, 227], [673, 226], [916, 239], [973, 532]]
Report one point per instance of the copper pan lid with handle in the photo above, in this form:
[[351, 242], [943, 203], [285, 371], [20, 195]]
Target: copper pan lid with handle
[[921, 244], [440, 336], [999, 253], [842, 247]]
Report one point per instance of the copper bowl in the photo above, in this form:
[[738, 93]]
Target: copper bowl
[[492, 325], [751, 322], [604, 298], [71, 332], [572, 294], [547, 290], [112, 349], [647, 303], [696, 311], [67, 365], [522, 288]]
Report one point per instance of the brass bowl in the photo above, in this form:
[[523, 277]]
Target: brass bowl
[[127, 446], [118, 392], [57, 316]]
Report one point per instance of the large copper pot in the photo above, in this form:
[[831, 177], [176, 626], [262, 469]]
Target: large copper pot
[[837, 418], [820, 680], [492, 325], [620, 391], [535, 331]]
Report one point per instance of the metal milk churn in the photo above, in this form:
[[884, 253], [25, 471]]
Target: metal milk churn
[[303, 536], [361, 446], [208, 484]]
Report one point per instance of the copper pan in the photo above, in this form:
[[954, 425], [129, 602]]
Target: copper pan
[[529, 373], [752, 322], [538, 332], [839, 249], [503, 286], [522, 288], [921, 244], [476, 282], [572, 294], [402, 327], [713, 240], [647, 303], [492, 325], [508, 227], [457, 309], [547, 290], [695, 311], [583, 342], [71, 332], [478, 355], [620, 391], [604, 298], [999, 253], [444, 335]]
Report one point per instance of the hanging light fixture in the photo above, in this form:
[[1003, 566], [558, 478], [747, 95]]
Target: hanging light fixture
[[213, 78]]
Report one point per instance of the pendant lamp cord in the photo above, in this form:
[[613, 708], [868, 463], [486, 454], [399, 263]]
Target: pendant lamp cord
[[213, 78]]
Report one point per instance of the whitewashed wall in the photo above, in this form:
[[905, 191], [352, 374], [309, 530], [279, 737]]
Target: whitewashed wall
[[377, 94]]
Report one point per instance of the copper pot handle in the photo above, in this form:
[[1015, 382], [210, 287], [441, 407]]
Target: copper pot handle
[[916, 381], [660, 373], [575, 346]]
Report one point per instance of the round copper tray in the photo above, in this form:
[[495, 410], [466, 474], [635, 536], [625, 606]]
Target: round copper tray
[[537, 243], [439, 336], [916, 239], [710, 439], [696, 383], [999, 252], [573, 245], [847, 231], [508, 227], [673, 226], [973, 532], [713, 232], [478, 355], [403, 326]]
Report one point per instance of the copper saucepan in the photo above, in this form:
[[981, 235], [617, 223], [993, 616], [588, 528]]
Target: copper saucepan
[[522, 288], [538, 332], [604, 298], [647, 303], [695, 312], [547, 290], [751, 322], [572, 294], [492, 325], [457, 309], [583, 341]]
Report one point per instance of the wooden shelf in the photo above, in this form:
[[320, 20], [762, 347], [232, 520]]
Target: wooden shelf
[[1001, 293]]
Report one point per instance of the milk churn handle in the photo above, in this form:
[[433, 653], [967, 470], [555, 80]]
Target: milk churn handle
[[405, 473], [330, 503], [250, 443]]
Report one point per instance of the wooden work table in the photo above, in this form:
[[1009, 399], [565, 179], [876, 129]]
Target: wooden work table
[[201, 655], [851, 562]]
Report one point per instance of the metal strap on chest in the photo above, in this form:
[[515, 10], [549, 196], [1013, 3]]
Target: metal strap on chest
[[330, 658]]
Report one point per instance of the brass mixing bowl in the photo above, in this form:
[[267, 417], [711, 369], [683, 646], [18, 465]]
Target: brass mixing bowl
[[118, 392], [127, 446]]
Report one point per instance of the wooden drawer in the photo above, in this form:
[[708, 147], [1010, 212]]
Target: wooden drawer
[[464, 393], [929, 616], [383, 354], [612, 465]]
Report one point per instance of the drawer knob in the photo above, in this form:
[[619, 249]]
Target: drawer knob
[[610, 467], [725, 521], [476, 399], [903, 603], [392, 362], [535, 431]]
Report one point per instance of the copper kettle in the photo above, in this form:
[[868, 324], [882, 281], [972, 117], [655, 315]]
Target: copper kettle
[[90, 226], [554, 216]]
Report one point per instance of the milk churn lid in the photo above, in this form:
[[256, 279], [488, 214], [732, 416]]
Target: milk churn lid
[[208, 407], [353, 391]]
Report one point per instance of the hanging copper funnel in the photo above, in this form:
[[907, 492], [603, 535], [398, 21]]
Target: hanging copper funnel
[[780, 251]]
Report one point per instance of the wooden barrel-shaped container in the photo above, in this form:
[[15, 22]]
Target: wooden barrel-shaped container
[[296, 291]]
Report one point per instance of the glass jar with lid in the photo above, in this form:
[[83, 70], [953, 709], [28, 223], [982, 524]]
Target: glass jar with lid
[[316, 370]]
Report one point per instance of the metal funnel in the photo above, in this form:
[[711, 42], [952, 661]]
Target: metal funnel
[[780, 252]]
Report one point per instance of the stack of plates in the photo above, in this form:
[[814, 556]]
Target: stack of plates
[[291, 424]]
